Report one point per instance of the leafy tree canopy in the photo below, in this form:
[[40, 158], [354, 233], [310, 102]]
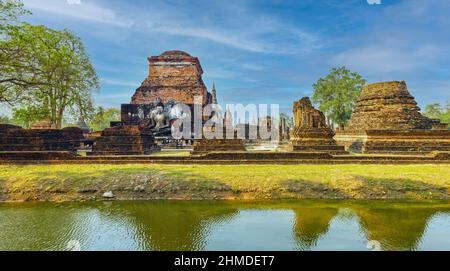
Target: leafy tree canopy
[[102, 118], [25, 117], [433, 111], [4, 119], [337, 93], [48, 69], [42, 68], [437, 111], [10, 11]]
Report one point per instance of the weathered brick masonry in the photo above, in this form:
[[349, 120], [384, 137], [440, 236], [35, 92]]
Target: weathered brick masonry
[[387, 119], [311, 132], [15, 138], [124, 140], [173, 75]]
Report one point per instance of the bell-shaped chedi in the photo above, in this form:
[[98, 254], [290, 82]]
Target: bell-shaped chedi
[[388, 106], [173, 75], [311, 132], [387, 120]]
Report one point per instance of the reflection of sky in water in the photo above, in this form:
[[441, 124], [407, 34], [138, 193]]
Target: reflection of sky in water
[[222, 226], [344, 234], [437, 234], [98, 231], [254, 230]]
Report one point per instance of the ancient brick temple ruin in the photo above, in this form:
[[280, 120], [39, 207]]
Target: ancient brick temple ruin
[[173, 75], [15, 138], [387, 119], [311, 132]]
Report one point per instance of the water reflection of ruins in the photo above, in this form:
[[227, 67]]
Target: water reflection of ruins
[[171, 226], [191, 226], [399, 228], [229, 226]]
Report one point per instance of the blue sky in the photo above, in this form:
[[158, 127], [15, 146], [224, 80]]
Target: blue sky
[[261, 51]]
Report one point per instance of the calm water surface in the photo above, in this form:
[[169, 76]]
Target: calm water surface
[[294, 225]]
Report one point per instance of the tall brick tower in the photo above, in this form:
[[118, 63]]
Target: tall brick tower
[[173, 75]]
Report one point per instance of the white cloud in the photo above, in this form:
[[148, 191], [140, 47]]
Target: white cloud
[[117, 82], [82, 11], [407, 40], [252, 67], [384, 59], [73, 2], [239, 29]]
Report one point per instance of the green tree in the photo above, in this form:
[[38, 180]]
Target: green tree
[[336, 94], [53, 68], [433, 111], [14, 75], [436, 111], [10, 12], [445, 117], [25, 117], [4, 119], [102, 118], [43, 68]]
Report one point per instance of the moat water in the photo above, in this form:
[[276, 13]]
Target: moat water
[[291, 225]]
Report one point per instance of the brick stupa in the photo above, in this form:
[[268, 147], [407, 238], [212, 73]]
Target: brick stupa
[[387, 119], [388, 106]]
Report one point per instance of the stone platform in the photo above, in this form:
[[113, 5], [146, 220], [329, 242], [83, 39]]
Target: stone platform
[[245, 156], [407, 141], [15, 138], [124, 140], [316, 140], [211, 145], [226, 158], [395, 141], [37, 156]]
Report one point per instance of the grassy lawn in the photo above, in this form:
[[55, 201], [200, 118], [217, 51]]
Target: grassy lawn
[[227, 181]]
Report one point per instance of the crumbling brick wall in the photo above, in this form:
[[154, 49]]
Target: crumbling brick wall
[[15, 138], [173, 75], [123, 140]]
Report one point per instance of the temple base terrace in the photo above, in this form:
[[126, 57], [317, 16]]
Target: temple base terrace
[[218, 157]]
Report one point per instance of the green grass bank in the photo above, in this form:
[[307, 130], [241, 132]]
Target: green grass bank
[[198, 182]]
